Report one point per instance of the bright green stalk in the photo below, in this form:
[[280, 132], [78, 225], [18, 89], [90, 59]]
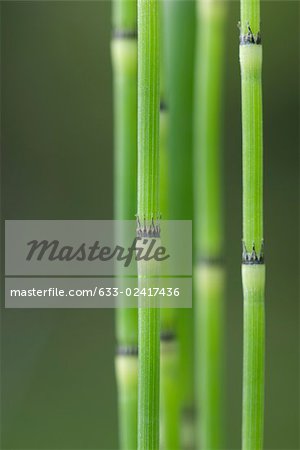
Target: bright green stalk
[[253, 269], [170, 386], [209, 234], [179, 31], [169, 353], [124, 59], [254, 348], [148, 213], [170, 382]]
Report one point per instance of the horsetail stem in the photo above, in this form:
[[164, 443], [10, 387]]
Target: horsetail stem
[[148, 213], [179, 32], [124, 60], [209, 271], [253, 268], [169, 354]]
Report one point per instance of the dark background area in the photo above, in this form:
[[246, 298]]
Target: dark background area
[[57, 366]]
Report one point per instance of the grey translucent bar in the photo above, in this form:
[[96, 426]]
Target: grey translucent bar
[[88, 248]]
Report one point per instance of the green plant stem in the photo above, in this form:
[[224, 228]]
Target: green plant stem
[[253, 269], [169, 353], [209, 235], [124, 60], [208, 129], [126, 373], [170, 408], [209, 317], [179, 32], [148, 213], [170, 381], [251, 61], [253, 363]]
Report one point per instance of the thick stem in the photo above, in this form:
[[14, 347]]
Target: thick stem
[[209, 357], [148, 213], [209, 234], [179, 31], [208, 129], [124, 60]]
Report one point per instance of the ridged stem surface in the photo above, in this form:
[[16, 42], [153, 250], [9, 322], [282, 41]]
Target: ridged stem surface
[[253, 269], [148, 212]]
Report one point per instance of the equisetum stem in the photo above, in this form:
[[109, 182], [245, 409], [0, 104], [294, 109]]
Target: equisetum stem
[[179, 32], [169, 348], [126, 373], [148, 214], [209, 317], [254, 355], [170, 386], [124, 60], [209, 234], [253, 268], [170, 382]]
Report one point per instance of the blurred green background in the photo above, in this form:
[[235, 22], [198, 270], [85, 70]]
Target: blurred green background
[[57, 371]]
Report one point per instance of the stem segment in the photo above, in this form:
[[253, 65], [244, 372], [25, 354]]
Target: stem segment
[[253, 269], [148, 213], [254, 349]]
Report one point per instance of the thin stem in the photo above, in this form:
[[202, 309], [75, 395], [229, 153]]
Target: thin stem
[[124, 59], [148, 213], [253, 269]]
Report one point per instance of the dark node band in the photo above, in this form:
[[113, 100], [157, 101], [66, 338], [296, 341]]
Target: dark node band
[[124, 34], [163, 106], [188, 413], [127, 350], [249, 38], [253, 257], [167, 336], [147, 230]]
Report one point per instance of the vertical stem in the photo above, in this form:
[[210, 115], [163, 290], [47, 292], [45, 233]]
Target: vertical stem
[[170, 387], [124, 60], [253, 268], [209, 235], [169, 353], [179, 31], [253, 364], [148, 213]]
